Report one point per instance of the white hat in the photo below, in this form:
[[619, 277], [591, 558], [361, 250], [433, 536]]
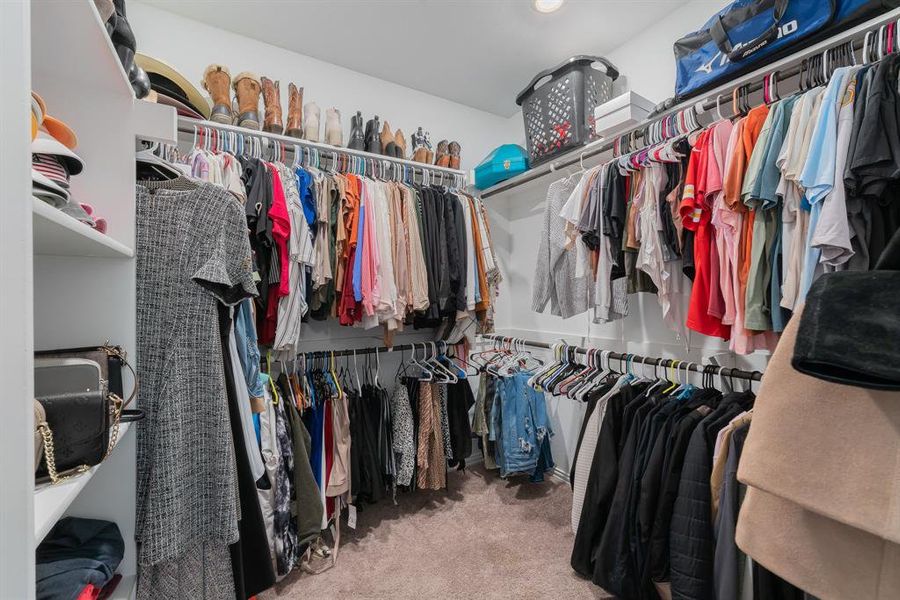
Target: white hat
[[45, 189], [45, 143]]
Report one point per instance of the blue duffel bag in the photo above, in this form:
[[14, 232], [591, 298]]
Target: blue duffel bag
[[748, 33]]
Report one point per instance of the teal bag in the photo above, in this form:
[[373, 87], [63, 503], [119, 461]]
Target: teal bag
[[501, 164]]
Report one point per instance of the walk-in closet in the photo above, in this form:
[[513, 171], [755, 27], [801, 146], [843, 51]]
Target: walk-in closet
[[495, 299]]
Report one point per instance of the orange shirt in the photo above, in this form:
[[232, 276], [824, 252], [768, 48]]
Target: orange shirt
[[752, 128]]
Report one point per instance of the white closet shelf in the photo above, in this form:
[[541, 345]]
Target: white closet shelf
[[51, 501], [69, 38], [57, 234]]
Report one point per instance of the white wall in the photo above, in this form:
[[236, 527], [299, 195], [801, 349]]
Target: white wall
[[647, 60], [190, 46]]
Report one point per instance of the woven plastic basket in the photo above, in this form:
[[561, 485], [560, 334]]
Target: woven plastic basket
[[558, 105]]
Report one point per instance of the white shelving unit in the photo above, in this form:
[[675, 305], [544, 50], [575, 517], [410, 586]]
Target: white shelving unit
[[57, 234], [52, 501], [65, 284]]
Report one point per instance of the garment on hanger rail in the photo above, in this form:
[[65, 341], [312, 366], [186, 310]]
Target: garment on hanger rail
[[368, 252], [762, 205]]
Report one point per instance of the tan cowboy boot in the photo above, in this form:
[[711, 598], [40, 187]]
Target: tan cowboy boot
[[271, 91], [295, 111], [334, 134], [388, 146], [400, 143], [247, 90], [217, 81]]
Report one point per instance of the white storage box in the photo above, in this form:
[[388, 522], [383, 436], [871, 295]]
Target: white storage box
[[620, 113]]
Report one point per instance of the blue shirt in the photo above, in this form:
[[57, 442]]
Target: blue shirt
[[818, 172], [247, 348], [307, 197]]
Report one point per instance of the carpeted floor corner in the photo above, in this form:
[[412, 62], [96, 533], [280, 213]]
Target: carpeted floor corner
[[483, 538]]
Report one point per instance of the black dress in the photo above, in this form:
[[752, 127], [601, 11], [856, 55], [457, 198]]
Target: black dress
[[251, 561]]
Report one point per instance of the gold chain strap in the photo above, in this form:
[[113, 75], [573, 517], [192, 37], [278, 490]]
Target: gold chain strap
[[114, 430], [50, 457]]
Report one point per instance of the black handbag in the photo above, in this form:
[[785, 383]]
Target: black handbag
[[80, 391]]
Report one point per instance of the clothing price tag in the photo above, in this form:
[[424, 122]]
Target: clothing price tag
[[351, 516]]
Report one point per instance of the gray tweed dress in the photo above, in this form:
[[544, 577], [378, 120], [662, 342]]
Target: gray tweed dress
[[192, 253]]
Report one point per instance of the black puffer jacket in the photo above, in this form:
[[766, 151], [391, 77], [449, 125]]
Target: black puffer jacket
[[691, 534]]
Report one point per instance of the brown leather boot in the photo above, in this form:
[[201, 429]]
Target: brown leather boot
[[454, 155], [420, 151], [388, 147], [247, 91], [400, 144], [295, 111], [443, 154], [271, 91], [217, 81]]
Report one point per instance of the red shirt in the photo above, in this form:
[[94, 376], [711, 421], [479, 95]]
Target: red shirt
[[695, 214], [281, 231]]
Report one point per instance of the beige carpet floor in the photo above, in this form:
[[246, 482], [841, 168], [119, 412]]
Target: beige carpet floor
[[483, 538]]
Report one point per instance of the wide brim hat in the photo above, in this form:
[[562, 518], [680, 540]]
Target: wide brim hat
[[48, 191], [59, 130], [166, 80], [181, 108], [45, 143]]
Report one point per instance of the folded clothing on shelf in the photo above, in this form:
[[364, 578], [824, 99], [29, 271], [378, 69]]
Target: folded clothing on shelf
[[77, 556]]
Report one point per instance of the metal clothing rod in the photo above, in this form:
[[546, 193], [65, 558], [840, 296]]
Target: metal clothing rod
[[787, 68], [658, 362], [193, 126], [425, 347]]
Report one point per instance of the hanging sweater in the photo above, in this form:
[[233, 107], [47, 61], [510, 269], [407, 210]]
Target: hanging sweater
[[563, 274]]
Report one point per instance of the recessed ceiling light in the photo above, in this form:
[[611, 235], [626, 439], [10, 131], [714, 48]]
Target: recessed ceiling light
[[547, 6]]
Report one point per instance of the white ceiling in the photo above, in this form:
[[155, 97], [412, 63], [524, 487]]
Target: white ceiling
[[480, 53]]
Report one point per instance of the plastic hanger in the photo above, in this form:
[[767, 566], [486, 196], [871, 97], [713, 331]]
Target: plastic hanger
[[426, 374]]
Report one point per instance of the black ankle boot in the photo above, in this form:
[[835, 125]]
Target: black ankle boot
[[357, 139], [373, 142]]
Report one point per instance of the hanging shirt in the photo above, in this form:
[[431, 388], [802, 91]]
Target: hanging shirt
[[307, 197], [832, 234], [695, 215], [818, 174]]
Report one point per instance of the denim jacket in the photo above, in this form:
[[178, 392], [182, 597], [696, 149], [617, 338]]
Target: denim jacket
[[248, 350], [520, 425]]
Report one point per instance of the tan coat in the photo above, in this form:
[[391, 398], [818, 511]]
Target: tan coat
[[824, 460]]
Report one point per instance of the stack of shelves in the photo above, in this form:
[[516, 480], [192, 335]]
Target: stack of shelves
[[66, 284]]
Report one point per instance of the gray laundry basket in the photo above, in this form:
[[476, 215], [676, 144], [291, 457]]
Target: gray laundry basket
[[558, 105]]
